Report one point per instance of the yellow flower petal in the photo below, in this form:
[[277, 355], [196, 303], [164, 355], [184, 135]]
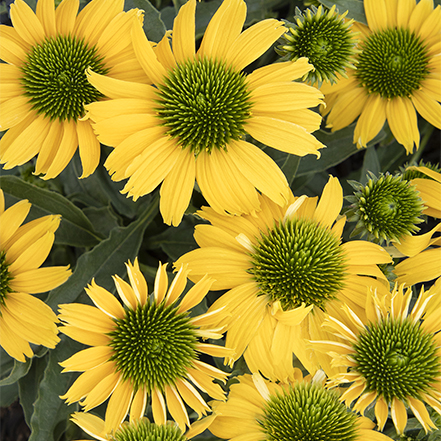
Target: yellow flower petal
[[399, 415], [361, 252], [376, 14], [66, 149], [91, 424], [224, 27], [427, 107], [158, 407], [283, 135], [85, 336], [105, 301], [118, 406], [176, 407], [89, 148], [49, 147], [87, 359], [126, 293], [192, 397], [420, 268], [85, 318], [330, 203], [146, 56], [279, 72], [14, 345], [381, 412], [184, 32], [14, 111], [65, 16], [101, 391], [253, 42], [13, 48], [40, 279], [182, 176], [46, 14], [404, 11], [402, 120], [139, 403], [371, 120], [12, 218], [26, 23]]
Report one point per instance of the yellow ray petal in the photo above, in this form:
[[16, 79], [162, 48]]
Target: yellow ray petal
[[192, 397], [177, 286], [49, 147], [404, 11], [40, 279], [158, 407], [164, 52], [101, 111], [118, 406], [420, 268], [222, 184], [361, 252], [89, 148], [105, 301], [224, 27], [46, 14], [161, 283], [260, 170], [376, 14], [283, 135], [26, 23], [11, 219], [402, 120], [101, 391], [177, 188], [14, 345], [14, 111], [288, 96], [87, 359], [67, 148], [126, 293], [195, 294], [204, 383], [279, 72], [253, 42], [139, 403], [371, 120], [91, 424], [13, 48], [146, 56], [27, 144], [427, 107], [330, 203], [86, 337], [431, 26], [184, 32], [399, 415], [227, 267], [176, 407], [65, 16], [86, 318]]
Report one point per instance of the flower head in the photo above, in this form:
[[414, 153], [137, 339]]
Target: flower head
[[137, 430], [397, 73], [325, 38], [393, 359], [44, 85], [148, 348], [386, 208], [299, 410], [25, 319], [283, 268], [191, 123]]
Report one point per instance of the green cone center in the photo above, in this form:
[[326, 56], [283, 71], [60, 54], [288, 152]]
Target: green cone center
[[299, 261], [397, 358], [54, 77], [143, 430], [5, 278], [153, 346], [308, 412], [389, 207], [393, 63], [327, 42], [204, 104]]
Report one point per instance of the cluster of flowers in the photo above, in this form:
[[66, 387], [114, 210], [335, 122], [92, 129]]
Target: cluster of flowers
[[293, 286]]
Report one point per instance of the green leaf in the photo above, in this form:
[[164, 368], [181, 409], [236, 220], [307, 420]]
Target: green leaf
[[355, 8], [339, 147], [154, 27], [75, 229], [105, 260], [176, 241], [19, 371], [103, 219], [8, 394], [370, 163], [49, 409], [28, 387]]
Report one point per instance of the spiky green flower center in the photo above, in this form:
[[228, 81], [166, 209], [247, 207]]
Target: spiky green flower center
[[387, 208], [393, 63], [144, 430], [397, 358], [153, 346], [5, 278], [324, 38], [308, 412], [54, 77], [204, 104], [299, 261]]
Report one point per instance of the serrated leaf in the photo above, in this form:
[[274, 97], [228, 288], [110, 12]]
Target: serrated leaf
[[355, 8], [105, 260], [154, 27], [75, 229], [49, 409]]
